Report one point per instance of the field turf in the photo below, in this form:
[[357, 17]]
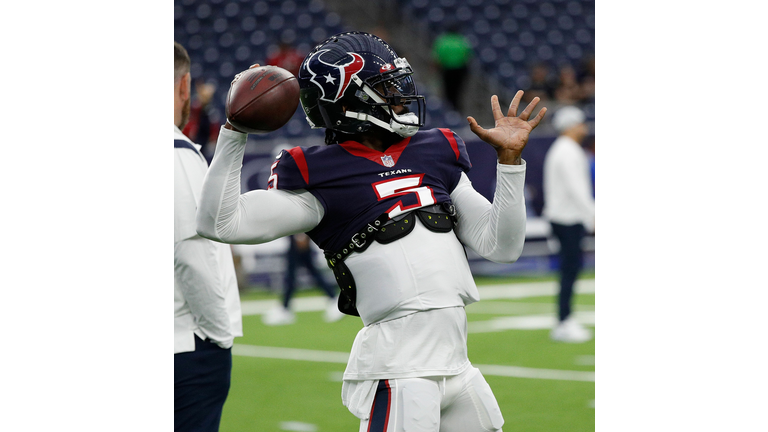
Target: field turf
[[299, 388]]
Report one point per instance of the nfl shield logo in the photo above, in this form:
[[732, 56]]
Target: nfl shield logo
[[388, 161]]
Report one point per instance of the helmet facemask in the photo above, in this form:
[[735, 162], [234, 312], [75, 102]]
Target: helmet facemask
[[385, 91]]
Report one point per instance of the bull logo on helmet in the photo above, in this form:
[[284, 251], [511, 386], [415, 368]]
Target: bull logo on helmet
[[334, 79]]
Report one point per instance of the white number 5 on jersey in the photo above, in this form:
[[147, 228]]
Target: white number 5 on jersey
[[403, 186]]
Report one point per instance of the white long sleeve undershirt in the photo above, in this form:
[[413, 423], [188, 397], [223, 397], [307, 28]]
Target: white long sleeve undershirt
[[254, 217]]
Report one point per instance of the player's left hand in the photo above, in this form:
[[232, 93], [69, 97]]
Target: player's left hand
[[510, 135]]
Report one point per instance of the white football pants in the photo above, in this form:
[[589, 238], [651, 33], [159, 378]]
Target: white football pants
[[461, 403]]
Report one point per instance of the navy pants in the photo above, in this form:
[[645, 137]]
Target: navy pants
[[303, 258], [201, 385], [571, 263]]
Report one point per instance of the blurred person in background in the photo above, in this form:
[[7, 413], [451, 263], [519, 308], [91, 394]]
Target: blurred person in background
[[568, 89], [570, 208], [300, 254], [451, 52], [203, 125], [587, 79], [542, 85], [207, 314], [392, 207], [286, 57]]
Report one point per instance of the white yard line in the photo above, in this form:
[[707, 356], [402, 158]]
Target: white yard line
[[531, 289], [290, 353], [341, 357], [487, 292], [298, 426], [527, 322], [521, 372]]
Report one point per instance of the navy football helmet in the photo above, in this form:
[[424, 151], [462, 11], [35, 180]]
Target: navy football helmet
[[350, 82]]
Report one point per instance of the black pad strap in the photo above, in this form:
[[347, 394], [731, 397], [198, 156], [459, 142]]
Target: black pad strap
[[436, 222], [396, 229], [348, 294]]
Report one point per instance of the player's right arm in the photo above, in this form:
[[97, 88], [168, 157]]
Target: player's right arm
[[257, 216]]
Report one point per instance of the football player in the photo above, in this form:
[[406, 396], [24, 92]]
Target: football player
[[392, 207]]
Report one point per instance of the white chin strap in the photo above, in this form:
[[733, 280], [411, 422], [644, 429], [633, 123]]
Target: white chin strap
[[404, 125], [404, 130]]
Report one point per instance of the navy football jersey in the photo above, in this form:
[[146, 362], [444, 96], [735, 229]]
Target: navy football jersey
[[356, 184]]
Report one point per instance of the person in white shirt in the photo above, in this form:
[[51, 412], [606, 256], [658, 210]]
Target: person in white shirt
[[393, 208], [207, 314], [570, 209]]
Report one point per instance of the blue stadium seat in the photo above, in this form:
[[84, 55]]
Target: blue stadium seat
[[211, 55], [258, 38], [509, 26], [555, 37], [526, 39], [516, 53], [488, 55], [545, 52], [565, 22], [506, 69], [499, 40], [243, 54], [248, 24], [231, 10], [178, 13], [547, 10], [520, 11], [260, 8], [203, 11], [304, 21], [288, 8], [436, 15], [319, 34], [492, 13], [574, 51], [276, 23], [538, 24], [332, 20], [481, 27], [192, 26], [220, 25], [464, 14], [194, 44], [227, 70], [574, 8]]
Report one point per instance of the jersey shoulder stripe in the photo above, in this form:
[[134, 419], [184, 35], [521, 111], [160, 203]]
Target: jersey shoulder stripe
[[301, 162], [452, 140]]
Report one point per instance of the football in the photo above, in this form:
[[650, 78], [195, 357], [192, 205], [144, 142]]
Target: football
[[262, 99]]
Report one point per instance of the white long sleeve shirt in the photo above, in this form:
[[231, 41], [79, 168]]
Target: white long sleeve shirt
[[410, 293], [206, 299], [567, 185]]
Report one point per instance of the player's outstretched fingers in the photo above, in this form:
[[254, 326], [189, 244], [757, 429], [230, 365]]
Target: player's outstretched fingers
[[529, 109], [254, 66], [497, 115], [514, 104], [536, 120], [476, 128]]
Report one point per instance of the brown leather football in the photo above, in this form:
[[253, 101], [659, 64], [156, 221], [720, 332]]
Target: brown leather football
[[262, 99]]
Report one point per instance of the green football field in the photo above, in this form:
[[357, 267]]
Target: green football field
[[288, 378]]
